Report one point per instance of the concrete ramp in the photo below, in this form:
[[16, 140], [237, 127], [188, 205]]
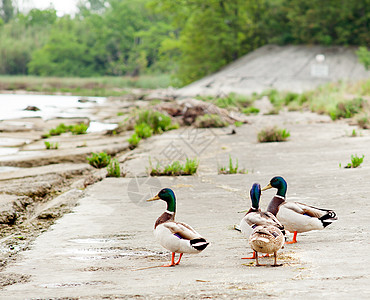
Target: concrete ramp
[[294, 68]]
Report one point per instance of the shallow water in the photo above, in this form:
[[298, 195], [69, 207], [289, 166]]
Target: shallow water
[[51, 106]]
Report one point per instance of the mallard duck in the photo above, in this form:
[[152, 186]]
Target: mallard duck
[[266, 239], [255, 217], [296, 217], [176, 237]]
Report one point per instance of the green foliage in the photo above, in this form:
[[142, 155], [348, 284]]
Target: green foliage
[[250, 110], [99, 160], [210, 121], [364, 57], [143, 130], [232, 169], [134, 140], [175, 168], [191, 166], [62, 128], [363, 121], [114, 169], [347, 109], [355, 161], [49, 145], [156, 120], [273, 134], [238, 124], [78, 129]]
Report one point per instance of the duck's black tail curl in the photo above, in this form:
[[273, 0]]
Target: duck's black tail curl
[[328, 218], [199, 243]]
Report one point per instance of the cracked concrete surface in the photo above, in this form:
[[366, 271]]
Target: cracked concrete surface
[[105, 248]]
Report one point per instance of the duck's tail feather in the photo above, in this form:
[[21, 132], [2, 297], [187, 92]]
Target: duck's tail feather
[[328, 218], [199, 243]]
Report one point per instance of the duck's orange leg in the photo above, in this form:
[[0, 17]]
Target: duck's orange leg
[[179, 259], [252, 257], [172, 260], [294, 238]]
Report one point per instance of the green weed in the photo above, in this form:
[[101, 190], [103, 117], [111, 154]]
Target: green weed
[[49, 145], [238, 124], [134, 140], [347, 109], [273, 134], [232, 169], [210, 121], [175, 168], [363, 121], [99, 160], [143, 130], [355, 161], [114, 169], [250, 110], [78, 128], [156, 120]]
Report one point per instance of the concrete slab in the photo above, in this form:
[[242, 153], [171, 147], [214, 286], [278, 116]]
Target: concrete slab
[[280, 67], [98, 250]]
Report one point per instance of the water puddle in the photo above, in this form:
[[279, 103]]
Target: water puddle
[[99, 126], [91, 254]]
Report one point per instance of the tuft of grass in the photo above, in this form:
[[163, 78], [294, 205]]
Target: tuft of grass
[[363, 121], [232, 169], [134, 140], [143, 130], [76, 129], [114, 169], [273, 134], [347, 109], [49, 145], [355, 161], [238, 124], [250, 110], [175, 168], [191, 166], [210, 121], [149, 122], [157, 121], [99, 160]]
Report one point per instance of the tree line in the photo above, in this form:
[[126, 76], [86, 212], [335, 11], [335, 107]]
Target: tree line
[[188, 38]]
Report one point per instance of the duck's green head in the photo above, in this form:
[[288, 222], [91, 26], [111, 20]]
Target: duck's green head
[[278, 183], [255, 194], [167, 195]]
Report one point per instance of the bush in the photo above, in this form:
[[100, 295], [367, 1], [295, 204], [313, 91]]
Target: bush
[[99, 160], [210, 121], [273, 134]]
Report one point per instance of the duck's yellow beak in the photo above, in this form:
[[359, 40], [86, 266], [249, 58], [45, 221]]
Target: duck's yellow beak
[[154, 198], [267, 187]]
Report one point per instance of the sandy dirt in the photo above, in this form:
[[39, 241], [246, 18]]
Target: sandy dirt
[[105, 248]]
